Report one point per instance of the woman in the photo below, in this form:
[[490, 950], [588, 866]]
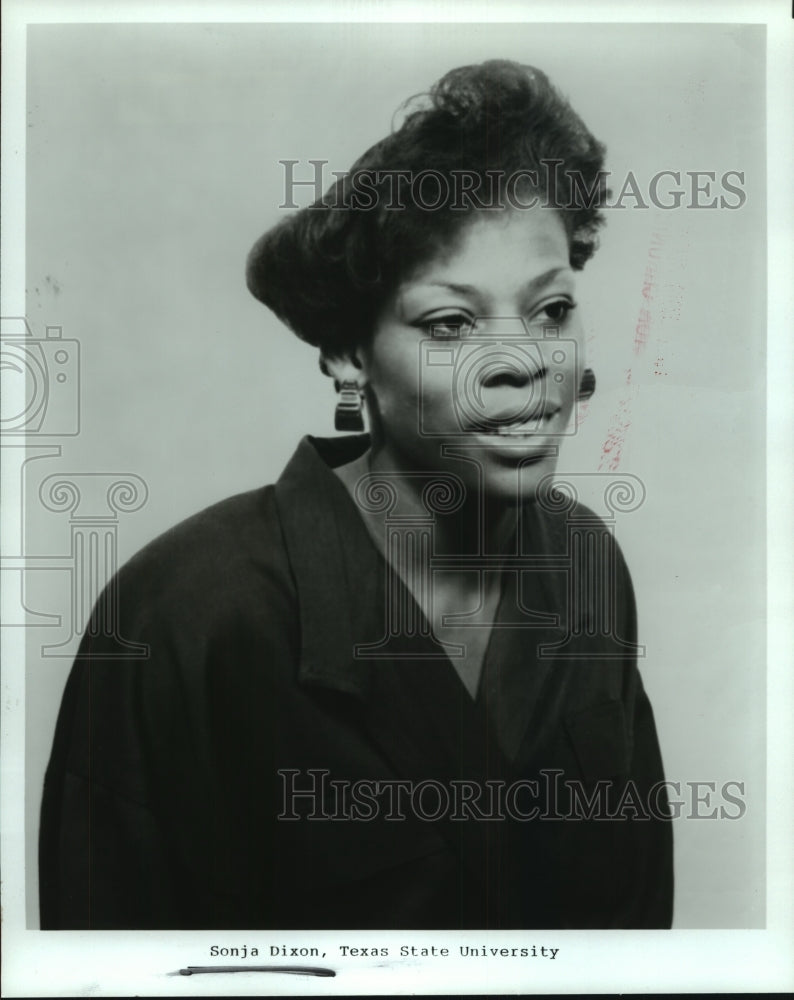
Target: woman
[[398, 689]]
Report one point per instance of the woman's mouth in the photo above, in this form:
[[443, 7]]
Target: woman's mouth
[[519, 427]]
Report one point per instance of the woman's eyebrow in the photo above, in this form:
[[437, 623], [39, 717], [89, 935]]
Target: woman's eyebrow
[[464, 289], [409, 291], [453, 287], [547, 277]]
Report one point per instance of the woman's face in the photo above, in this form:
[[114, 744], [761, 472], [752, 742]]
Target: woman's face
[[480, 352]]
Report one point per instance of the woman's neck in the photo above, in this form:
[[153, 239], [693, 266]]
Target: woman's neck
[[477, 525]]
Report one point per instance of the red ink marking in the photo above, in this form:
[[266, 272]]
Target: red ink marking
[[612, 448], [648, 283], [641, 330]]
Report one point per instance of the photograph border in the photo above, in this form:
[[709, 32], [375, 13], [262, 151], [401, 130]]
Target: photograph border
[[153, 963]]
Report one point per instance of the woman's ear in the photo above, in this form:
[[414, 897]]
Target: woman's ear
[[343, 368]]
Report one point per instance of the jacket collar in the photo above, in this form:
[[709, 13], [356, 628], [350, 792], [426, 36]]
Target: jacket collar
[[331, 555]]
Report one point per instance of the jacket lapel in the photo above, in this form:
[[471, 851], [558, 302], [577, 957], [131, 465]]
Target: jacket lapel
[[413, 706], [315, 554]]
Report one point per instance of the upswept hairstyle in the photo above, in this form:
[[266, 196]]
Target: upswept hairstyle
[[326, 270]]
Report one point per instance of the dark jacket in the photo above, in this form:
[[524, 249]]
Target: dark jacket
[[168, 775]]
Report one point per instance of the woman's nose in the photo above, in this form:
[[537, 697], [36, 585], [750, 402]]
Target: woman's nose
[[515, 386], [502, 374]]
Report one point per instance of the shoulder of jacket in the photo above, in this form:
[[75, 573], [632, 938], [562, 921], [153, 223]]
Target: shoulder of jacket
[[560, 516], [228, 552]]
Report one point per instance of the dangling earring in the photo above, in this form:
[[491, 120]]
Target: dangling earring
[[348, 416], [587, 385]]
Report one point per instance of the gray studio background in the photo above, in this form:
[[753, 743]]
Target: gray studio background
[[152, 166]]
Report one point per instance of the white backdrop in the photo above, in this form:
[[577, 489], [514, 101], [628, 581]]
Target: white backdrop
[[152, 166]]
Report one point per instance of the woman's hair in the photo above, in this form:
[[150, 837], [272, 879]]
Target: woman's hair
[[485, 137]]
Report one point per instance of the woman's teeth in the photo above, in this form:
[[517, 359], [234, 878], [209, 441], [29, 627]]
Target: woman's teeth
[[521, 430]]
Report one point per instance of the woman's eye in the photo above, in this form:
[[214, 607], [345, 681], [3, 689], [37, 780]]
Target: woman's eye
[[445, 327], [557, 311]]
